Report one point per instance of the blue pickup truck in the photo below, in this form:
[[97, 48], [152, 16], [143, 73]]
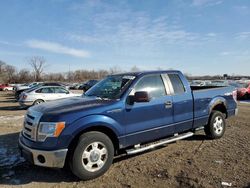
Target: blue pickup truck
[[122, 114]]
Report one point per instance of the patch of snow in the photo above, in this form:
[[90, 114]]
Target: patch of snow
[[8, 158], [11, 118]]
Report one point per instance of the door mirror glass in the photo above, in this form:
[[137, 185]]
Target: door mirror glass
[[141, 96]]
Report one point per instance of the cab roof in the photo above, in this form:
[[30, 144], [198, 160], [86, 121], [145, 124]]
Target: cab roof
[[141, 73]]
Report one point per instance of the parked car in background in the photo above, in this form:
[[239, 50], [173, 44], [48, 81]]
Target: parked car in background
[[26, 86], [200, 83], [75, 86], [86, 86], [17, 94], [42, 94], [244, 91], [6, 87]]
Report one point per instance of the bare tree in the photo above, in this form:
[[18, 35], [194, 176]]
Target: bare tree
[[24, 75], [10, 74], [38, 64], [2, 64], [115, 70], [134, 69]]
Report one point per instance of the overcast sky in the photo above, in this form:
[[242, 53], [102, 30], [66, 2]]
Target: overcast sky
[[194, 36]]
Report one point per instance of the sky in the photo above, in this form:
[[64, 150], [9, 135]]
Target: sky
[[198, 37]]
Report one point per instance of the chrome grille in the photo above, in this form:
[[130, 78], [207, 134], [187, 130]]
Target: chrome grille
[[30, 126]]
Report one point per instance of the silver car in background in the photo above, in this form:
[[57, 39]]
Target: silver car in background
[[43, 94]]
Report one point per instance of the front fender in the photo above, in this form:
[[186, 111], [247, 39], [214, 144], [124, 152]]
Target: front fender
[[92, 121]]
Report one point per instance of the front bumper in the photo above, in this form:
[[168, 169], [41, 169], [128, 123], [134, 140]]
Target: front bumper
[[54, 159]]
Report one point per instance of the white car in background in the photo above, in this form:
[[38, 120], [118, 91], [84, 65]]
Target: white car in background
[[43, 94], [26, 86]]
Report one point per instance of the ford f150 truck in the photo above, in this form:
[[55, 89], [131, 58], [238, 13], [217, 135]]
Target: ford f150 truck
[[125, 113]]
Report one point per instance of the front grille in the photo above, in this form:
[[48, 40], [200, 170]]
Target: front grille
[[31, 122]]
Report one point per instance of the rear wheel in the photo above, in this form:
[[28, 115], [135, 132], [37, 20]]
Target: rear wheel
[[39, 101], [216, 126], [93, 155]]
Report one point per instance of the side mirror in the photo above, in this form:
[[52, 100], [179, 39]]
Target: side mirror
[[141, 96]]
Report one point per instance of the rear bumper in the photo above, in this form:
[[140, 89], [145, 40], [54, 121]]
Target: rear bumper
[[54, 159], [233, 112], [25, 103]]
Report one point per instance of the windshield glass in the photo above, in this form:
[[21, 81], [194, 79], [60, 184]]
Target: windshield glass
[[111, 87]]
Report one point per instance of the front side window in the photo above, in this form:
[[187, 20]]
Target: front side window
[[60, 90], [152, 84], [45, 90]]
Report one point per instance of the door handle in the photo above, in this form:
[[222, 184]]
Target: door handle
[[168, 104]]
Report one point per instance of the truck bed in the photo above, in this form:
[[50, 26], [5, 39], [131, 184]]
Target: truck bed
[[206, 96], [194, 88]]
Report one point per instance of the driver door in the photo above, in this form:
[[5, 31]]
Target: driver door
[[146, 121]]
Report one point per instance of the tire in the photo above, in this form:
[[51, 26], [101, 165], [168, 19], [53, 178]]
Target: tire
[[39, 101], [246, 96], [216, 126], [92, 148], [5, 89]]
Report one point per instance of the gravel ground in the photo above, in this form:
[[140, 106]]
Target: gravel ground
[[194, 162]]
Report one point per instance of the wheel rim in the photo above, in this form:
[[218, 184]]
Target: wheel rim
[[218, 125], [94, 156], [38, 102]]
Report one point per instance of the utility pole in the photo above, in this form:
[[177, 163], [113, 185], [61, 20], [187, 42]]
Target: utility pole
[[69, 74]]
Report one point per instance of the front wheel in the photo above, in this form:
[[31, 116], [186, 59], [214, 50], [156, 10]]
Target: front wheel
[[216, 126], [93, 155]]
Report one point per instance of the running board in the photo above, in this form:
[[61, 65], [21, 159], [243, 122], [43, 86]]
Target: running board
[[159, 143]]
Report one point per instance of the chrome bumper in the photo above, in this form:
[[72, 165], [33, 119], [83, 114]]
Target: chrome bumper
[[54, 159]]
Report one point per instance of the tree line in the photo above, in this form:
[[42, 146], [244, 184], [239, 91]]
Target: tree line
[[10, 74]]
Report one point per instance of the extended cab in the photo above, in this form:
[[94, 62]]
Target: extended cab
[[124, 113]]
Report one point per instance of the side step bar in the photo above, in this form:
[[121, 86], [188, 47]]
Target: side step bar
[[159, 143]]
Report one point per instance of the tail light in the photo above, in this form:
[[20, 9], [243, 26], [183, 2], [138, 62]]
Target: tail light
[[235, 95], [25, 97]]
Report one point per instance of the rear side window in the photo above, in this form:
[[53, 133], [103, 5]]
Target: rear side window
[[45, 90], [153, 84], [60, 90], [176, 83]]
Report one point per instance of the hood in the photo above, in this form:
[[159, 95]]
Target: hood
[[71, 105]]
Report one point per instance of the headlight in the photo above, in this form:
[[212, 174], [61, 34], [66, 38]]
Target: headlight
[[49, 129]]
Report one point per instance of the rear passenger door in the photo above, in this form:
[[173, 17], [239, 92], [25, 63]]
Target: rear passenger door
[[61, 92], [182, 103], [46, 93]]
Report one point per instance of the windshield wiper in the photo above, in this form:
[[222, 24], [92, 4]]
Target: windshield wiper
[[102, 98]]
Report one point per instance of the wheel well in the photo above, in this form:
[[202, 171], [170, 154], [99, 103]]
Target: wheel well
[[109, 132], [221, 108], [39, 100]]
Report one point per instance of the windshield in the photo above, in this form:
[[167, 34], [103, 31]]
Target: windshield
[[111, 87]]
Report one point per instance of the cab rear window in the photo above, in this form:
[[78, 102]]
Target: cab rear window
[[176, 83]]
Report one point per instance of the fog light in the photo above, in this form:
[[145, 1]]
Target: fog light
[[41, 159]]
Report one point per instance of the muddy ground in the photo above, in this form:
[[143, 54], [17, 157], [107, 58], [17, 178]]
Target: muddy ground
[[194, 162]]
